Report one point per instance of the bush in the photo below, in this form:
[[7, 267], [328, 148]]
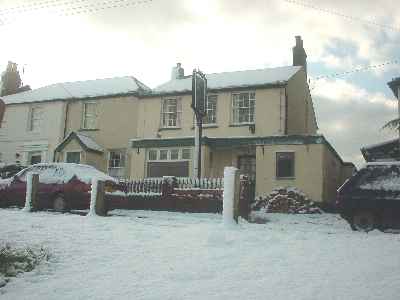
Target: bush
[[16, 261]]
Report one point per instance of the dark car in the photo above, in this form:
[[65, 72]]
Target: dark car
[[62, 186], [371, 197]]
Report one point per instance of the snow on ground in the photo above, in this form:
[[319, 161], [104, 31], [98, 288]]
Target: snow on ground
[[164, 255]]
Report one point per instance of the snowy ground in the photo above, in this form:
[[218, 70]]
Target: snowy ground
[[161, 255]]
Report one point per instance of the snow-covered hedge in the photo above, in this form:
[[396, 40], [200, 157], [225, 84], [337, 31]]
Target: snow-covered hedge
[[286, 200]]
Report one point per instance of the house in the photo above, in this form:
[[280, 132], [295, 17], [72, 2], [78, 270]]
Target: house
[[388, 150], [261, 121], [98, 128], [73, 121]]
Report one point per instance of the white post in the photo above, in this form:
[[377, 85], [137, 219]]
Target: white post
[[97, 199], [32, 181], [228, 210]]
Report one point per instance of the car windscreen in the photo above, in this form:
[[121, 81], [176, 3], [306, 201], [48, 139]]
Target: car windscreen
[[379, 177]]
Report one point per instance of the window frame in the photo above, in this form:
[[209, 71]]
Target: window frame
[[73, 151], [168, 158], [122, 158], [293, 160], [33, 117], [251, 108], [209, 108], [85, 115], [165, 122]]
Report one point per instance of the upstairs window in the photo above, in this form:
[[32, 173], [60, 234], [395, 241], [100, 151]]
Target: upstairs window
[[243, 105], [211, 110], [285, 165], [36, 117], [89, 115], [171, 112]]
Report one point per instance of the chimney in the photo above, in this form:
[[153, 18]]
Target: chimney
[[177, 72], [299, 54]]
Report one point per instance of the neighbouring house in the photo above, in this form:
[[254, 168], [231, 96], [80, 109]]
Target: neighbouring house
[[261, 121], [388, 150], [87, 122]]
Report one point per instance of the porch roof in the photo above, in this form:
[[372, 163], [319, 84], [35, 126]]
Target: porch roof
[[86, 142], [217, 142]]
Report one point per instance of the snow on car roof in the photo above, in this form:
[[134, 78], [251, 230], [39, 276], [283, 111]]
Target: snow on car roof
[[233, 79], [64, 172], [79, 89]]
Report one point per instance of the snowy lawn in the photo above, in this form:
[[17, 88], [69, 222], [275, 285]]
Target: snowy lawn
[[162, 255]]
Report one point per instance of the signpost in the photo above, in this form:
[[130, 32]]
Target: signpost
[[199, 106]]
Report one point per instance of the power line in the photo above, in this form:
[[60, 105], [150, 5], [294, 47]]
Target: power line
[[338, 14], [357, 70], [74, 10]]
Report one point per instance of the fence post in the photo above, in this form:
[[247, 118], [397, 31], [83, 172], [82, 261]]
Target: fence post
[[244, 197], [231, 195], [97, 199], [32, 184]]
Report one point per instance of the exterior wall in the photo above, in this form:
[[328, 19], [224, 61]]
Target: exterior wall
[[269, 116], [117, 119], [301, 115], [138, 162], [347, 172], [308, 169], [332, 175], [16, 138]]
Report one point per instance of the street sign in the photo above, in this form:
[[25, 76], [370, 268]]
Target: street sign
[[199, 93]]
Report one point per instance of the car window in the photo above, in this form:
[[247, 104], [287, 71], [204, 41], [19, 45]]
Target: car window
[[47, 173], [379, 178]]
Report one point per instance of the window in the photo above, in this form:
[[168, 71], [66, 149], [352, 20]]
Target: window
[[211, 110], [243, 108], [169, 154], [152, 154], [186, 153], [285, 164], [36, 116], [174, 154], [73, 157], [89, 115], [168, 162], [35, 158], [116, 163], [171, 113], [163, 154]]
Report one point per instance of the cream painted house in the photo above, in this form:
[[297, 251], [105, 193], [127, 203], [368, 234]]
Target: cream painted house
[[84, 122], [261, 121]]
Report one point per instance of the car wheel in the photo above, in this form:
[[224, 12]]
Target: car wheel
[[363, 221], [59, 203]]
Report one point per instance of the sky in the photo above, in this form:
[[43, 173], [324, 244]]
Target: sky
[[70, 40]]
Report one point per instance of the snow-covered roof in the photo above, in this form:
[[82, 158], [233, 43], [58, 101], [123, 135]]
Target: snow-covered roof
[[380, 144], [79, 89], [64, 172], [86, 142], [89, 142], [236, 79]]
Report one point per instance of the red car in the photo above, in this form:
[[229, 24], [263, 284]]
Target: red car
[[62, 186]]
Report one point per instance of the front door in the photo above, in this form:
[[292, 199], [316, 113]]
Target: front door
[[247, 165]]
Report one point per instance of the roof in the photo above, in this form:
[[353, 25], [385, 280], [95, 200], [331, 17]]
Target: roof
[[80, 89], [228, 80], [395, 86], [388, 150], [86, 142]]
